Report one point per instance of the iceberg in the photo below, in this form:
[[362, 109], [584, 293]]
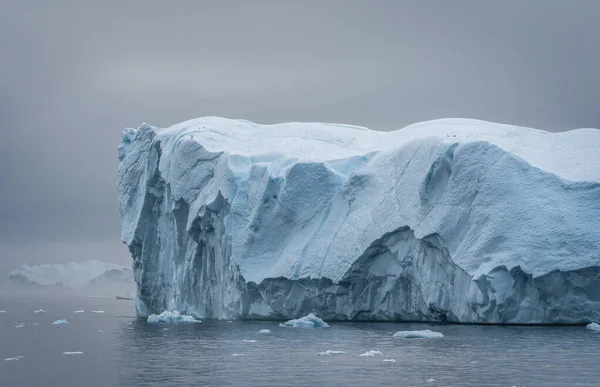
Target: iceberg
[[60, 322], [79, 311], [424, 334], [73, 353], [389, 360], [309, 321], [72, 275], [451, 220], [173, 317], [593, 327], [264, 331], [39, 311]]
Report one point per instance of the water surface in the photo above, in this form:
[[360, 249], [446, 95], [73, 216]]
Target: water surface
[[122, 350]]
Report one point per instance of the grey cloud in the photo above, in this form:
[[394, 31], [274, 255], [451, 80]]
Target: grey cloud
[[73, 74]]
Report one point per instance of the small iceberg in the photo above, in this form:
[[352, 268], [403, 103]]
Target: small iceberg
[[389, 360], [424, 334], [371, 353], [79, 311], [60, 322], [310, 321], [237, 354], [11, 359], [264, 331], [173, 317], [432, 380], [73, 353], [248, 341], [331, 353], [39, 311], [97, 311], [2, 311], [20, 325], [593, 327]]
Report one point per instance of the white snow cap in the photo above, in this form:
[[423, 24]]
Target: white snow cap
[[424, 334], [173, 317], [309, 321]]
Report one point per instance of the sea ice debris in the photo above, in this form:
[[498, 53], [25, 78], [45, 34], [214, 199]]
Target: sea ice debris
[[424, 334], [168, 317], [73, 353], [371, 353], [60, 322], [593, 327], [309, 321], [39, 311], [331, 353], [264, 331]]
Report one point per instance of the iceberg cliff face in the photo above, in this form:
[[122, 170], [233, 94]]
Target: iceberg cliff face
[[448, 220]]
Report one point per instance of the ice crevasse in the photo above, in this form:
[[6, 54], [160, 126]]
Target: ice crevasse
[[449, 220]]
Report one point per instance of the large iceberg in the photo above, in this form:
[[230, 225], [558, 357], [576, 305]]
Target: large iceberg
[[72, 275], [449, 220]]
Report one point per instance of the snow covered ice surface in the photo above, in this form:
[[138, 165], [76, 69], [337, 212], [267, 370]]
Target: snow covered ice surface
[[60, 322], [309, 321], [371, 353], [424, 334], [71, 275], [173, 317], [593, 327], [331, 353], [449, 220]]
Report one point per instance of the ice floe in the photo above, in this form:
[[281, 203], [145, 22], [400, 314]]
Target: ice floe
[[60, 322]]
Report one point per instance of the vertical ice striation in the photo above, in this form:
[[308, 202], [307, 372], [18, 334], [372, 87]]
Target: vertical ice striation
[[448, 220]]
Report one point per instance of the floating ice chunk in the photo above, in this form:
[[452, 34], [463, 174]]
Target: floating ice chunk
[[34, 323], [389, 360], [424, 334], [593, 327], [237, 354], [264, 331], [432, 380], [73, 353], [60, 322], [173, 317], [39, 311], [100, 330], [11, 359], [97, 311], [20, 325], [331, 353], [2, 311], [371, 353], [79, 311], [19, 357], [248, 341], [310, 321]]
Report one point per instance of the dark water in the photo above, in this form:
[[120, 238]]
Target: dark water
[[129, 352]]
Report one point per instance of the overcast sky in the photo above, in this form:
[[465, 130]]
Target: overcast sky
[[73, 74]]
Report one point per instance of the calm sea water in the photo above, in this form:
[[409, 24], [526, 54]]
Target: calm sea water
[[122, 350]]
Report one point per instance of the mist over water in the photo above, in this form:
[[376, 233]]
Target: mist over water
[[121, 349]]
